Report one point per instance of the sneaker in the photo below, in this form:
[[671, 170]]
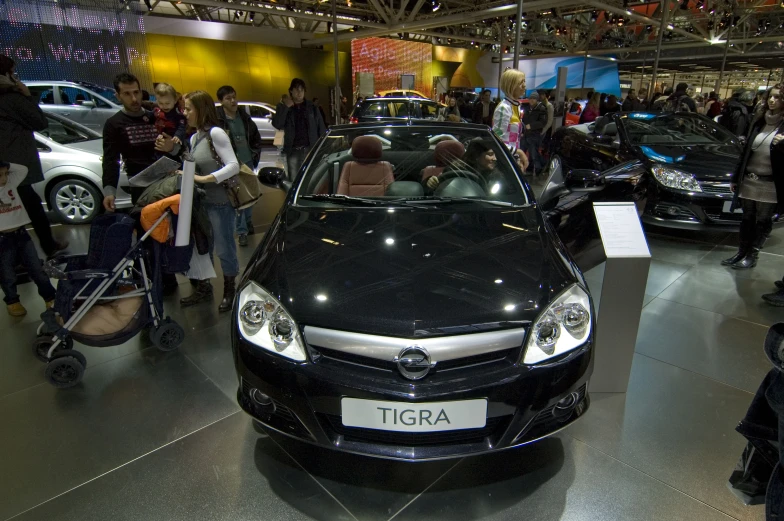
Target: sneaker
[[251, 230], [775, 299], [243, 239], [779, 284], [58, 247], [16, 309]]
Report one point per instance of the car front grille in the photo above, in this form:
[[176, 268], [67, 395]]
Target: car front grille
[[489, 360], [495, 426], [725, 217], [673, 210], [716, 188]]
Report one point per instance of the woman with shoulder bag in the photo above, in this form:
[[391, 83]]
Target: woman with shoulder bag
[[216, 162], [759, 183]]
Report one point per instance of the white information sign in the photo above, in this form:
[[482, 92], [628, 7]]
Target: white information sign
[[414, 417], [621, 231]]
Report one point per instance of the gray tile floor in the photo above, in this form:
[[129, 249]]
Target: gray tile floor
[[152, 436]]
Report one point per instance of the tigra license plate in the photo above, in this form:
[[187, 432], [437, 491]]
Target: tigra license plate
[[414, 417]]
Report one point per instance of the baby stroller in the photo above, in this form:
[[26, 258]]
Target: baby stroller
[[105, 298]]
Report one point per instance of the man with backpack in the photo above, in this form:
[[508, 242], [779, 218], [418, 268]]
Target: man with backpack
[[680, 101], [736, 115]]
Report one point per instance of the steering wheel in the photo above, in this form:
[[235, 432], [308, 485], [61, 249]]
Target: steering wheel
[[453, 174]]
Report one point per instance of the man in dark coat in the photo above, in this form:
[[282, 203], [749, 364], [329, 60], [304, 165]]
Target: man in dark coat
[[302, 123], [20, 116], [484, 109], [534, 119], [628, 103]]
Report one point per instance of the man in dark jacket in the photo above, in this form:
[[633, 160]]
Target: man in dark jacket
[[302, 123], [628, 103], [640, 104], [20, 116], [534, 119], [246, 140], [483, 109], [680, 101], [737, 113]]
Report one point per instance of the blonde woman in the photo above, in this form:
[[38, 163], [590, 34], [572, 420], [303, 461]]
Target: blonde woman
[[507, 121]]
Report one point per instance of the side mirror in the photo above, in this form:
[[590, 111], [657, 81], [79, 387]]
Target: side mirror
[[583, 180], [274, 176], [88, 104]]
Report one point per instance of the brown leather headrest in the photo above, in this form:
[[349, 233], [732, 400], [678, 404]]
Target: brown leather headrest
[[448, 151], [366, 149]]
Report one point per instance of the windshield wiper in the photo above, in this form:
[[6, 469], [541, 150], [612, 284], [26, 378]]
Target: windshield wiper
[[344, 199], [457, 200]]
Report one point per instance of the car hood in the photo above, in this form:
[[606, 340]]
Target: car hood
[[412, 272], [94, 146], [705, 162]]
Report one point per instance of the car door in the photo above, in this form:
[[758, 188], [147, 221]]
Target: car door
[[427, 110], [84, 107], [567, 204], [262, 117]]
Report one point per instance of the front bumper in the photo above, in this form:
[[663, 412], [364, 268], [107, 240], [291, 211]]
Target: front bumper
[[305, 400], [690, 211]]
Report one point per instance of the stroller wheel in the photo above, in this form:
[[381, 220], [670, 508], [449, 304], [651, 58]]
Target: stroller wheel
[[42, 344], [70, 352], [64, 372], [168, 335]]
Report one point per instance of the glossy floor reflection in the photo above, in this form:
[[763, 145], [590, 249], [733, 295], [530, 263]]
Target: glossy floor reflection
[[153, 436]]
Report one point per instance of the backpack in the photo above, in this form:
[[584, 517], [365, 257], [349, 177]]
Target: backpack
[[677, 104]]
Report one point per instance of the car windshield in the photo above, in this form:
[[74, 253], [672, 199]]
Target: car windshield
[[106, 92], [411, 165], [65, 132], [397, 108], [677, 129]]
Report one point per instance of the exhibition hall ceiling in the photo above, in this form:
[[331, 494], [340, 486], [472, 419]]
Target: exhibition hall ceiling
[[628, 29]]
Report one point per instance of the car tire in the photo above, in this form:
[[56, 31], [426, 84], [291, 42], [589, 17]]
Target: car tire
[[75, 201]]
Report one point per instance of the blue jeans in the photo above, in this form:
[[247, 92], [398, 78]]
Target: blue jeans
[[532, 143], [17, 246], [222, 217], [244, 220]]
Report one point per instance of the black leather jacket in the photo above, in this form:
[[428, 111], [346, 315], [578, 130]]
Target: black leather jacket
[[251, 132]]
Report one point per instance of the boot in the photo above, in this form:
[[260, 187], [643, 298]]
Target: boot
[[775, 299], [202, 292], [742, 251], [779, 284], [229, 290], [747, 262]]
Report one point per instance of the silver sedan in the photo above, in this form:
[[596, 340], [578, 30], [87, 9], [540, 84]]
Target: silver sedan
[[261, 114], [71, 157]]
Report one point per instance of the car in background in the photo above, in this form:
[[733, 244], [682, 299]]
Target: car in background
[[87, 104], [71, 157], [261, 114], [573, 112], [392, 109], [685, 162], [383, 317], [402, 93]]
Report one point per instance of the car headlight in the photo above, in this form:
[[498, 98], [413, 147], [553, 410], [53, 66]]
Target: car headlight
[[672, 178], [264, 322], [564, 326]]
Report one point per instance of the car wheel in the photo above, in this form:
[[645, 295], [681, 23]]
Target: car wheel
[[75, 201]]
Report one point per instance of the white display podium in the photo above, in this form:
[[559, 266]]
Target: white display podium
[[622, 295]]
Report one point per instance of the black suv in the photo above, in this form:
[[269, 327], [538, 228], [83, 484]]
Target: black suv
[[394, 109]]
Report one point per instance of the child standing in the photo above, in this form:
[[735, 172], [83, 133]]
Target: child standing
[[168, 119], [15, 243]]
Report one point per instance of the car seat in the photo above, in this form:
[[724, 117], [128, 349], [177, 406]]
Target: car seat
[[446, 153], [367, 175]]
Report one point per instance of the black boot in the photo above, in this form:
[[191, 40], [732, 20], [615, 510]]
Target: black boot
[[202, 292], [742, 252], [747, 262], [229, 290]]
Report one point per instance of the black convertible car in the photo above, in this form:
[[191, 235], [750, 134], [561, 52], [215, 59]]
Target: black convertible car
[[685, 162], [413, 301]]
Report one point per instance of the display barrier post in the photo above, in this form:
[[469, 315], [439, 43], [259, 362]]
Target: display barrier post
[[622, 295]]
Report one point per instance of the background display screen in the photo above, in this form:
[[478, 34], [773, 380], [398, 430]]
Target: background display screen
[[53, 42]]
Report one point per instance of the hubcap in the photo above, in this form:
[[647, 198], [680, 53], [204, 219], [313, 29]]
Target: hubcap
[[75, 202]]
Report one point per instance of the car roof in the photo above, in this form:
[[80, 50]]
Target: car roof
[[60, 83], [397, 98]]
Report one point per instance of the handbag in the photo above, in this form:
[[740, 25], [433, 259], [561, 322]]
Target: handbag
[[278, 139], [243, 189]]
